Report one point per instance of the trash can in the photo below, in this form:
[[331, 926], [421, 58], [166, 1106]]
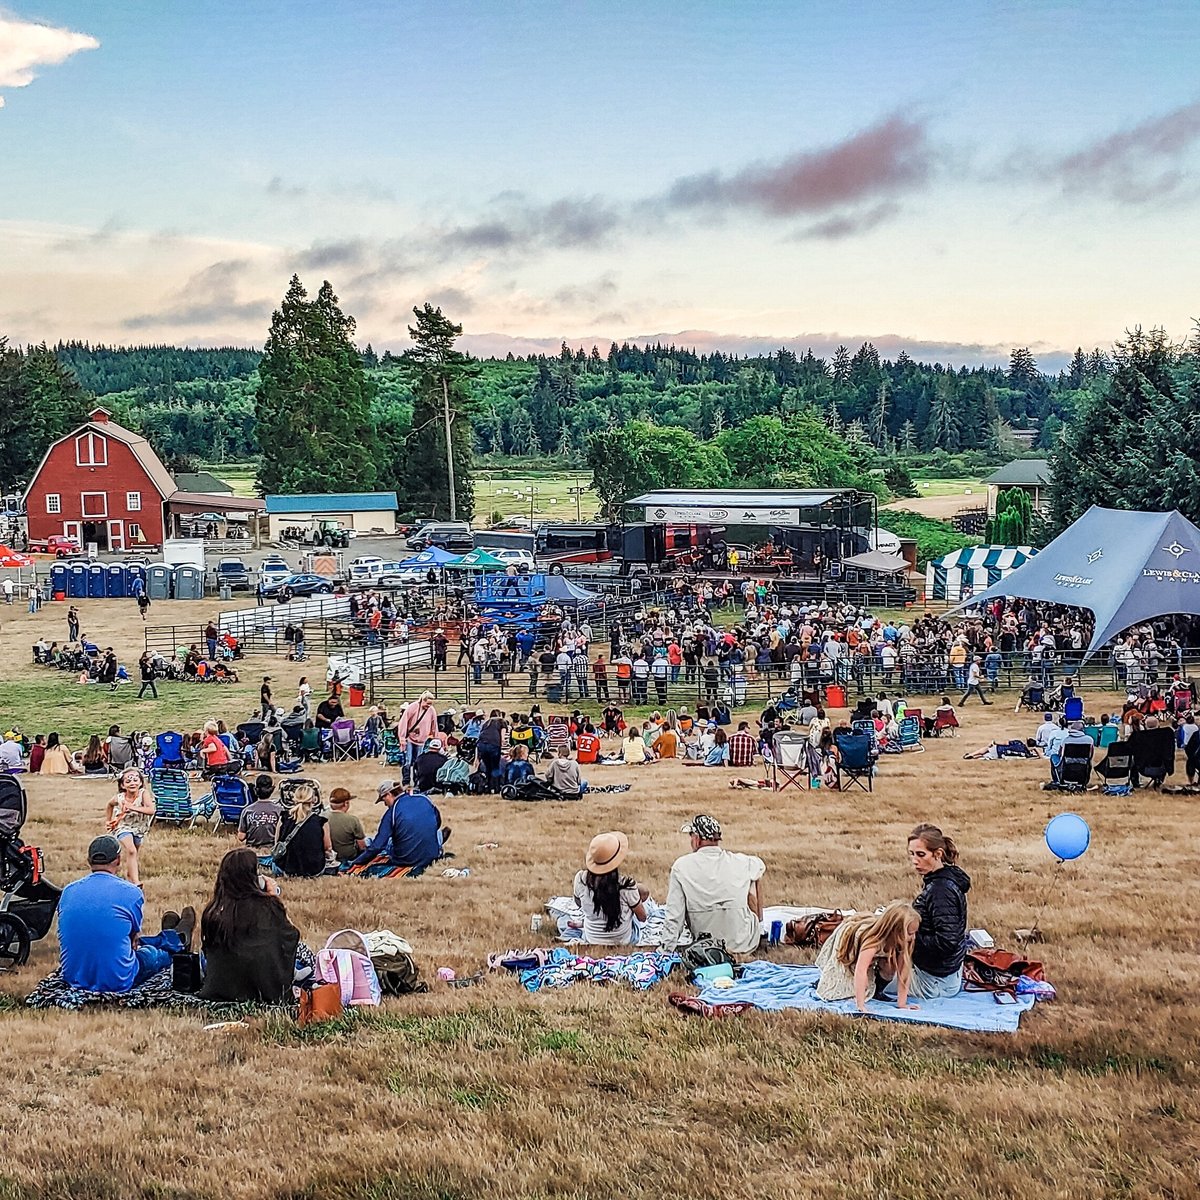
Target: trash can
[[358, 695], [226, 592], [835, 696]]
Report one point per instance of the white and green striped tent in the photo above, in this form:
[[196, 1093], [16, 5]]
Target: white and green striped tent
[[974, 567]]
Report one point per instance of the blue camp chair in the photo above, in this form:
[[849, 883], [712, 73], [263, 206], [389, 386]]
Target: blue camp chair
[[230, 795], [173, 797], [910, 734], [170, 750], [856, 763], [1073, 708]]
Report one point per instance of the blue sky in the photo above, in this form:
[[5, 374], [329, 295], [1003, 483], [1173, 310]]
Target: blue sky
[[952, 178]]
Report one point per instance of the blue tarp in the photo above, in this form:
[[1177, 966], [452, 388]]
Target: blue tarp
[[1127, 567]]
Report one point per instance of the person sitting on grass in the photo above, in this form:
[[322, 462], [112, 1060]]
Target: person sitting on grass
[[609, 901], [867, 951], [246, 940], [633, 748], [258, 826], [410, 833], [94, 762], [428, 763], [715, 891], [100, 925], [518, 768], [666, 741], [346, 832], [304, 829], [58, 759], [716, 755], [128, 818], [563, 774]]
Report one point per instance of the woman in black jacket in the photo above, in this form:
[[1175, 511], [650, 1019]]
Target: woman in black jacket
[[941, 941], [248, 943]]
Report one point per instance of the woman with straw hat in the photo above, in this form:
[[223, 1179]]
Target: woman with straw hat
[[609, 900]]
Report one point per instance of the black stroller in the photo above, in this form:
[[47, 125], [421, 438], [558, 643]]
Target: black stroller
[[27, 900]]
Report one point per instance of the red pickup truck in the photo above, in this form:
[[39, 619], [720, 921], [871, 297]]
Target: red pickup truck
[[57, 544]]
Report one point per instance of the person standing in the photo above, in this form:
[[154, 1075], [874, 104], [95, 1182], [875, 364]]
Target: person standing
[[72, 624], [210, 637], [8, 591], [304, 696], [974, 684], [416, 726], [264, 697], [146, 670], [143, 599], [108, 669], [600, 675]]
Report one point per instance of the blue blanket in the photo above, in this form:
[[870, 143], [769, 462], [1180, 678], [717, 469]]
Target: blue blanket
[[773, 986]]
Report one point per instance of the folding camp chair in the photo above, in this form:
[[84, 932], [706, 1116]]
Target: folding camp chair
[[345, 740], [945, 722], [790, 759], [230, 795], [1181, 700], [910, 734], [172, 794], [855, 762], [1033, 698], [121, 753], [253, 731], [393, 753], [558, 733], [866, 728], [170, 750], [1116, 768], [1075, 765], [1073, 708]]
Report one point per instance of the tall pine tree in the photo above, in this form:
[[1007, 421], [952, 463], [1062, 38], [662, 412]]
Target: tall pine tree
[[313, 404]]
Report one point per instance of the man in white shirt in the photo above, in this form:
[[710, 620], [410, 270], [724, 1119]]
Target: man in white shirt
[[974, 682], [10, 755], [714, 891], [1046, 730]]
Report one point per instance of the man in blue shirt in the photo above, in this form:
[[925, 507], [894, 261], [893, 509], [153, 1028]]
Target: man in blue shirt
[[410, 834], [99, 927]]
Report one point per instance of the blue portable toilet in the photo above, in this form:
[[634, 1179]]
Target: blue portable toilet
[[97, 573], [79, 580], [115, 583], [158, 581], [60, 579], [134, 572], [189, 583]]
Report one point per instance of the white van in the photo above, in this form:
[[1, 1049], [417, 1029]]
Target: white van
[[366, 571]]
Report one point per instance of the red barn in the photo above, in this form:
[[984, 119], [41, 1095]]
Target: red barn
[[101, 483]]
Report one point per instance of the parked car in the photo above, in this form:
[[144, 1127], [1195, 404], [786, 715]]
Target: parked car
[[233, 574], [522, 558], [394, 575], [449, 535], [272, 571], [366, 570], [302, 585]]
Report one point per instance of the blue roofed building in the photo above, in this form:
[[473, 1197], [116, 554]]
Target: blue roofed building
[[364, 512]]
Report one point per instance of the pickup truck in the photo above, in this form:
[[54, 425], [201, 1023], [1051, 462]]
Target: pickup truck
[[57, 544]]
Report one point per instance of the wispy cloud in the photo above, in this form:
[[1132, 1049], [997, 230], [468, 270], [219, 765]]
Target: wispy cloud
[[209, 298], [889, 158], [1137, 164], [835, 229], [279, 187], [25, 46]]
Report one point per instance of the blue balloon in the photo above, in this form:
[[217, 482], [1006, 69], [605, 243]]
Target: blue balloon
[[1068, 835]]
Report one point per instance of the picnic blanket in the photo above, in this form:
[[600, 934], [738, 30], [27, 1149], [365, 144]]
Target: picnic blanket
[[772, 986], [641, 970], [156, 992], [382, 867]]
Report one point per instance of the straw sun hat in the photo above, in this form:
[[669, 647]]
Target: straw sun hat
[[606, 852]]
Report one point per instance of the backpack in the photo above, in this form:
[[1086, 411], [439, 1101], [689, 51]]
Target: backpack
[[346, 961], [454, 772], [704, 954], [812, 931], [391, 956]]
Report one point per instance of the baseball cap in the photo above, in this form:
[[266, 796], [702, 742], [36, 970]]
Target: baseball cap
[[434, 743], [340, 796], [385, 786], [706, 828], [103, 850]]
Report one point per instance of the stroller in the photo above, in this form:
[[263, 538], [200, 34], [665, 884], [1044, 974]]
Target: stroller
[[27, 900]]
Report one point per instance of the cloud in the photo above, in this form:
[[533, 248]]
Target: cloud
[[521, 226], [27, 45], [208, 298], [1134, 165], [278, 186], [451, 300], [834, 229], [891, 157]]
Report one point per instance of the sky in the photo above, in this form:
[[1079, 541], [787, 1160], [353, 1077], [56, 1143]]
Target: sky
[[952, 179]]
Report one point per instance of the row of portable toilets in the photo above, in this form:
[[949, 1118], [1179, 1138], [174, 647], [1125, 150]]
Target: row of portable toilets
[[99, 581]]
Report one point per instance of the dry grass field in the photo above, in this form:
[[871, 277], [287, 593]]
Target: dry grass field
[[598, 1094]]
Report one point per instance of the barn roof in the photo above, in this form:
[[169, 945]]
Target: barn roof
[[158, 475]]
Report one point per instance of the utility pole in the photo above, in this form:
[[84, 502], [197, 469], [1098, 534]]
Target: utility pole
[[533, 493], [449, 449], [577, 491]]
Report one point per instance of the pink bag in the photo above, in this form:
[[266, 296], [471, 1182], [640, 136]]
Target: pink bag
[[346, 961]]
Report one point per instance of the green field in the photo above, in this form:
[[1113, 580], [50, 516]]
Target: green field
[[950, 487]]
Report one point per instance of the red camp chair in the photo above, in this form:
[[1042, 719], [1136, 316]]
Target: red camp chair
[[945, 722]]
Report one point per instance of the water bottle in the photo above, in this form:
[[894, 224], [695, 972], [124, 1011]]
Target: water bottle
[[776, 933]]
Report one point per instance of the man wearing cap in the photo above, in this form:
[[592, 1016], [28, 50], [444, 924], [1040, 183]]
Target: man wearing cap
[[417, 724], [428, 764], [715, 891], [410, 833], [100, 923]]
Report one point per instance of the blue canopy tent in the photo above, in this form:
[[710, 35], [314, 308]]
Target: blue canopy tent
[[1127, 567], [435, 556]]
